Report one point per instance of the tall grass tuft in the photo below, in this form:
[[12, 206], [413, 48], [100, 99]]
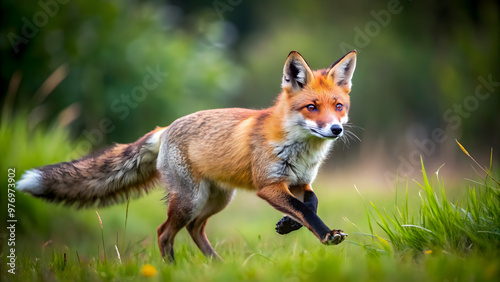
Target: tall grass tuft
[[102, 236], [126, 219], [460, 227]]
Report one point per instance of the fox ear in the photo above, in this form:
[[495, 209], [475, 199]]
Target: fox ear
[[342, 70], [296, 73]]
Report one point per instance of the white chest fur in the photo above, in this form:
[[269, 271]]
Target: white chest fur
[[298, 162]]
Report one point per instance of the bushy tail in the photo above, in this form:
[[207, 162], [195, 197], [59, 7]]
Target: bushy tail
[[104, 178]]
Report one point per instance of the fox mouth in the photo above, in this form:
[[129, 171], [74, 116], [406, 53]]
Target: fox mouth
[[321, 135]]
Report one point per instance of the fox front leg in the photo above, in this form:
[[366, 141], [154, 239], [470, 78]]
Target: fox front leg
[[279, 196], [287, 224]]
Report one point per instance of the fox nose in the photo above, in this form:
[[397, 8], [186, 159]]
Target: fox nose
[[336, 129]]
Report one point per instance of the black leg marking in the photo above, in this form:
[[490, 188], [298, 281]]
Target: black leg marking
[[287, 224], [311, 201]]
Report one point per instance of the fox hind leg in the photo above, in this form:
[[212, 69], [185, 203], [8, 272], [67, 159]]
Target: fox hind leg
[[179, 214], [191, 209], [218, 199], [183, 198]]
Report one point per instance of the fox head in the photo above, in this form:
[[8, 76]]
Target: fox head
[[318, 101]]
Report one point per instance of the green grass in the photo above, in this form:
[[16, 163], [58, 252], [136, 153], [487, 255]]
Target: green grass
[[449, 240], [471, 224]]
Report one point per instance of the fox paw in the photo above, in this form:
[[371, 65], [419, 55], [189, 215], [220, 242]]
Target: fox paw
[[334, 237], [287, 225]]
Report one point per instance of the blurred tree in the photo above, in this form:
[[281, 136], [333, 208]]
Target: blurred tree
[[126, 65]]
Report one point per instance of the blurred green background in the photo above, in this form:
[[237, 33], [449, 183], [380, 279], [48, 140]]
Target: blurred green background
[[79, 75]]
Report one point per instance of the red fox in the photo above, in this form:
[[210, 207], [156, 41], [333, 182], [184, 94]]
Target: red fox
[[203, 157]]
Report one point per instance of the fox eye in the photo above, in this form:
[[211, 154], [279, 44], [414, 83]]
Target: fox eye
[[339, 107], [311, 107]]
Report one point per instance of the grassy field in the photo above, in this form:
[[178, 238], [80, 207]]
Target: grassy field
[[61, 243], [64, 244]]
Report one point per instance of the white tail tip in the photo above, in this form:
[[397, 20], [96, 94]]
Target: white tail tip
[[31, 182]]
